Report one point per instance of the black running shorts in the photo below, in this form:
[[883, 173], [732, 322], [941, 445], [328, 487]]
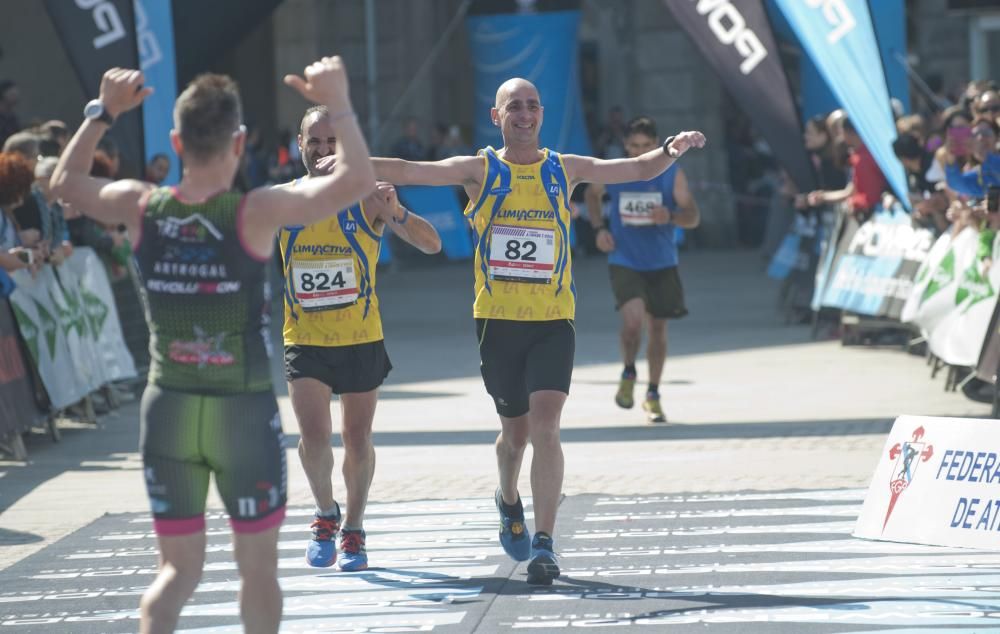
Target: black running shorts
[[185, 438], [660, 290], [521, 357], [345, 369]]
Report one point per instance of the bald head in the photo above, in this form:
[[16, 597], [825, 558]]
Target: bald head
[[518, 113], [515, 86]]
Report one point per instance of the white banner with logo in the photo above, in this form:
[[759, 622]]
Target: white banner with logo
[[68, 320], [936, 484], [98, 302], [933, 296], [958, 338], [923, 277]]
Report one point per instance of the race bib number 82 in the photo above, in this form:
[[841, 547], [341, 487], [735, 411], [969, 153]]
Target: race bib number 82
[[522, 254]]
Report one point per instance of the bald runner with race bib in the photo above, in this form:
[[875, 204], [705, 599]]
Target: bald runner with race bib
[[525, 299]]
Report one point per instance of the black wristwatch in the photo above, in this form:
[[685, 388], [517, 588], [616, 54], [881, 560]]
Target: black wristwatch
[[95, 111], [666, 144]]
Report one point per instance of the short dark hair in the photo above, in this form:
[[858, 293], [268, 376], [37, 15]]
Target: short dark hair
[[641, 125], [48, 147], [101, 167], [53, 129], [109, 146], [907, 146], [819, 122], [23, 142], [848, 126], [949, 114], [322, 111], [207, 114]]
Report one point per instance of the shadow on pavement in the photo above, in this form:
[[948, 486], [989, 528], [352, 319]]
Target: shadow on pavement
[[620, 433]]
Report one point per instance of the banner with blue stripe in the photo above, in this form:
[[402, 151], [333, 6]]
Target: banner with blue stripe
[[876, 273], [154, 27], [541, 48], [440, 207]]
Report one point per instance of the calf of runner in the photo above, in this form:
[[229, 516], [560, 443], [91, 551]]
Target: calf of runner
[[209, 408], [525, 299]]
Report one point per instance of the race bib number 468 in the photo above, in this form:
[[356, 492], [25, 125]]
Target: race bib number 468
[[636, 208], [325, 284], [522, 254]]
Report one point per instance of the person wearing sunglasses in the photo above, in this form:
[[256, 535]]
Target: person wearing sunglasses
[[985, 162]]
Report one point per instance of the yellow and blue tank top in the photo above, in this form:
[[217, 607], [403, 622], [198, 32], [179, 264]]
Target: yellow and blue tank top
[[523, 259], [329, 270]]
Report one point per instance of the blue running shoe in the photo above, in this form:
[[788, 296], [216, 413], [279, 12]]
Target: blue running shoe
[[514, 535], [542, 568], [321, 551], [353, 556]]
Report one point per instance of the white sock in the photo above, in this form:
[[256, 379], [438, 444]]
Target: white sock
[[332, 512]]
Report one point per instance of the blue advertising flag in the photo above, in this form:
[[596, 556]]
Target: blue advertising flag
[[440, 207], [541, 48], [737, 40], [839, 38], [889, 20], [154, 27]]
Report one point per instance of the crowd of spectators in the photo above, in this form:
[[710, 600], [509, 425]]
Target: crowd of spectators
[[37, 229], [951, 157]]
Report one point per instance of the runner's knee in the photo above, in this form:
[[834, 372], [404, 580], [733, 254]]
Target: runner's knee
[[514, 436], [356, 438], [315, 432]]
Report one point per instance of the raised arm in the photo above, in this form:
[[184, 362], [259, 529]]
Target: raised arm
[[457, 170], [110, 202], [586, 169], [312, 199]]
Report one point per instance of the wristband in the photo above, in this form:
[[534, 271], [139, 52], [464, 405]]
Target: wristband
[[666, 146], [406, 216]]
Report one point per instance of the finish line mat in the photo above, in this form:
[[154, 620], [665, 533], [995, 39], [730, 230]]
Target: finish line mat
[[741, 562]]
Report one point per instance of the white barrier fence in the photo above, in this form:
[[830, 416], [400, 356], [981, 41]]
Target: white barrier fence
[[67, 317]]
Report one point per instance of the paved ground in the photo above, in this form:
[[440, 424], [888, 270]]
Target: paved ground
[[754, 407]]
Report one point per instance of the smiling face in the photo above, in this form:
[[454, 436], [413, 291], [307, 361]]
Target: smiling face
[[518, 112], [316, 141]]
